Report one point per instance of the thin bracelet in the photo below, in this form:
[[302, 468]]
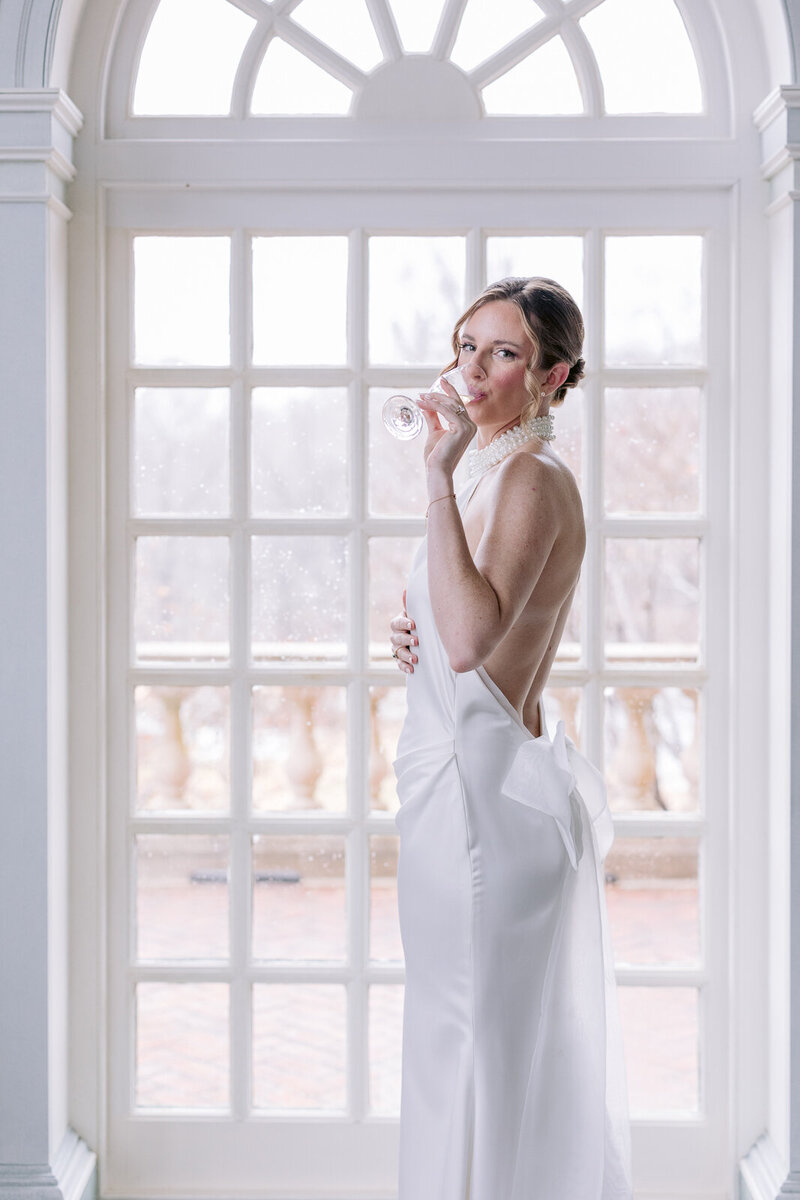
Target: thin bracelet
[[447, 497]]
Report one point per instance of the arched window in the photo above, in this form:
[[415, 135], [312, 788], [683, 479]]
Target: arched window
[[295, 201]]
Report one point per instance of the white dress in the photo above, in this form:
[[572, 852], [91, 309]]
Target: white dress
[[513, 1083]]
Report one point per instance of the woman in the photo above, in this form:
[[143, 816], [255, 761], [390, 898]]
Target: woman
[[513, 1080]]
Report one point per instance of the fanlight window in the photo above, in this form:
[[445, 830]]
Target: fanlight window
[[493, 57]]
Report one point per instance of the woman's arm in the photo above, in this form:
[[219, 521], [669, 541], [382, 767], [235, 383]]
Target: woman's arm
[[475, 602]]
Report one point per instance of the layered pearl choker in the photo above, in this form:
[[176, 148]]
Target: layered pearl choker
[[498, 449]]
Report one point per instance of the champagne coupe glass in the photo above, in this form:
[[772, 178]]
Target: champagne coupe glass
[[403, 417]]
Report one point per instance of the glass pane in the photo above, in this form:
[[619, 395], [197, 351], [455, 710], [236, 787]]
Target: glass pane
[[299, 451], [416, 294], [645, 57], [182, 301], [189, 59], [299, 749], [654, 289], [299, 1046], [564, 704], [182, 749], [181, 605], [299, 898], [387, 711], [568, 428], [416, 22], [385, 1048], [300, 598], [652, 748], [396, 469], [182, 1045], [289, 83], [181, 452], [384, 924], [652, 449], [559, 258], [488, 25], [543, 83], [652, 895], [286, 330], [660, 1031], [345, 26], [181, 896], [389, 565], [652, 599]]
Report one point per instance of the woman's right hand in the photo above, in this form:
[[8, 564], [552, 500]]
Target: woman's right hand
[[403, 638]]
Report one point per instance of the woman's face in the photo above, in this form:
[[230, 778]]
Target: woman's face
[[495, 349]]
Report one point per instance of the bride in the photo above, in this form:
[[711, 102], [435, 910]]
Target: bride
[[512, 1077]]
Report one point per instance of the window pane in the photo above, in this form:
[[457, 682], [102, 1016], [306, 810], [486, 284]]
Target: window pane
[[652, 894], [384, 927], [385, 1048], [345, 26], [182, 301], [660, 1030], [652, 449], [416, 293], [544, 82], [299, 898], [182, 749], [182, 1045], [645, 57], [299, 598], [181, 452], [416, 22], [190, 57], [653, 742], [389, 565], [559, 258], [299, 451], [652, 599], [564, 704], [654, 291], [290, 83], [299, 749], [299, 1046], [181, 607], [396, 468], [387, 711], [287, 329], [488, 25], [182, 896]]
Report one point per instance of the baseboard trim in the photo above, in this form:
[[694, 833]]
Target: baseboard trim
[[762, 1174], [72, 1175]]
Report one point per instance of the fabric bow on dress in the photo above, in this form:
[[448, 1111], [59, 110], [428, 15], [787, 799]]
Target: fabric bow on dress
[[542, 777]]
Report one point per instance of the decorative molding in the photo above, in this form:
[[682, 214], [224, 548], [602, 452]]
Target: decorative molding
[[52, 100], [774, 105], [72, 1176], [761, 1171]]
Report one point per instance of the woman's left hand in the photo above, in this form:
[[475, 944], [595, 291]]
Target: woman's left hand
[[445, 446]]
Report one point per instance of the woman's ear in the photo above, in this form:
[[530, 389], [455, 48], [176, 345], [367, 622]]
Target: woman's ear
[[556, 376]]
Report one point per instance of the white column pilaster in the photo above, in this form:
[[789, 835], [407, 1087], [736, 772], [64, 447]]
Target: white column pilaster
[[772, 1167], [40, 1157]]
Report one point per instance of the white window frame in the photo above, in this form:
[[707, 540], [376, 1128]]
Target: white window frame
[[142, 185]]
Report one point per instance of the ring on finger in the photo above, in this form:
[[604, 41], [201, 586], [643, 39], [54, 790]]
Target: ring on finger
[[394, 652]]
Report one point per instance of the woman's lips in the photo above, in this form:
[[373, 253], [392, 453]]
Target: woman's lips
[[476, 395]]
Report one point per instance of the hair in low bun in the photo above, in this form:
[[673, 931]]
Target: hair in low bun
[[576, 374], [552, 320]]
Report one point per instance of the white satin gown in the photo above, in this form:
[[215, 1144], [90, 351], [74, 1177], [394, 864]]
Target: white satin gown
[[513, 1084]]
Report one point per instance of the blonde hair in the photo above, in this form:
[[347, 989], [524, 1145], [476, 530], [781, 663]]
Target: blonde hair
[[551, 319]]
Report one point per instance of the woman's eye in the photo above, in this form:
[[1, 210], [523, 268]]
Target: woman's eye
[[467, 346], [509, 353]]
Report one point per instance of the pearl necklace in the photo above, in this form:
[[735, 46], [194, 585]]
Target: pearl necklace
[[502, 446]]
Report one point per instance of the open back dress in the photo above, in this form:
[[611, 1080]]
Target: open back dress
[[513, 1083]]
